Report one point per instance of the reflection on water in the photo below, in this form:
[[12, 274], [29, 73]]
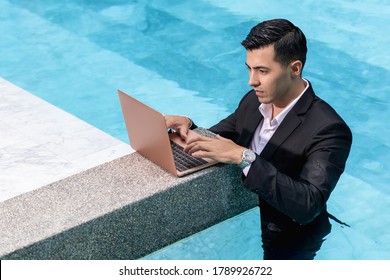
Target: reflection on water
[[298, 242]]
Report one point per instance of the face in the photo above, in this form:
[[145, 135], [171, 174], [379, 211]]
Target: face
[[271, 80]]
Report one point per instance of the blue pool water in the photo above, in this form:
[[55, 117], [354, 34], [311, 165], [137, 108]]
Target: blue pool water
[[184, 57]]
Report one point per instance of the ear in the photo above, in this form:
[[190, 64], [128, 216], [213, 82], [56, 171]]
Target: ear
[[296, 68]]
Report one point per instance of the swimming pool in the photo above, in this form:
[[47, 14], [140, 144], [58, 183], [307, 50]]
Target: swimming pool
[[183, 57]]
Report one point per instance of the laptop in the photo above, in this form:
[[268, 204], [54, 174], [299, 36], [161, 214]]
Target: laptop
[[149, 137]]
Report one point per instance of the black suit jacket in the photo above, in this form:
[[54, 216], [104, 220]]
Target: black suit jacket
[[302, 162]]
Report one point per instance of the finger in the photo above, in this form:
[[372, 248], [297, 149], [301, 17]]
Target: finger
[[192, 148], [189, 146], [203, 154], [183, 133], [198, 138], [195, 138], [200, 154], [195, 147]]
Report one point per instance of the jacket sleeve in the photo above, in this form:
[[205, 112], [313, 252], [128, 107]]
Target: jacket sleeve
[[231, 127], [304, 197]]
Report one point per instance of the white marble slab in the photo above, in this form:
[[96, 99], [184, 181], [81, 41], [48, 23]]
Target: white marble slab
[[41, 144]]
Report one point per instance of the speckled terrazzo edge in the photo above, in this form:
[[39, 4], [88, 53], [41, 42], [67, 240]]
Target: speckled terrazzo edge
[[123, 209]]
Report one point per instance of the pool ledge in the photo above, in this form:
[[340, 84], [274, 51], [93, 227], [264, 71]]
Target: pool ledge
[[124, 209]]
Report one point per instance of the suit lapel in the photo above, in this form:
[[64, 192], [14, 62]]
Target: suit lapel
[[289, 124]]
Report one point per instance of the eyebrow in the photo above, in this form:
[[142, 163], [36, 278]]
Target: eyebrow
[[257, 67]]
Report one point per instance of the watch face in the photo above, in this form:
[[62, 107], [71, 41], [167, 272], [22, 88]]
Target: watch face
[[249, 155]]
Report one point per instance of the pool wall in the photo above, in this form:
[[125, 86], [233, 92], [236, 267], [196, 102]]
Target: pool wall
[[123, 209]]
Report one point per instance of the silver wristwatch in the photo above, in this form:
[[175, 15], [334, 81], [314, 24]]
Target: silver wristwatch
[[248, 156]]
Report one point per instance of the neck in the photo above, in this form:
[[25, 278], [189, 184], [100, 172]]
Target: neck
[[295, 91]]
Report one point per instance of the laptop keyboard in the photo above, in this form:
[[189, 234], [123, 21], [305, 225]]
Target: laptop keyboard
[[184, 161]]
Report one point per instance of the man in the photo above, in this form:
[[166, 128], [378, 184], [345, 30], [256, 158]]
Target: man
[[291, 145]]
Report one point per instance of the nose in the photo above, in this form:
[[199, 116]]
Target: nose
[[253, 79]]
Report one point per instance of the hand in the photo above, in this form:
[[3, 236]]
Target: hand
[[220, 149], [180, 125]]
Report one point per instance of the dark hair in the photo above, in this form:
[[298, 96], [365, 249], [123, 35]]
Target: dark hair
[[289, 41]]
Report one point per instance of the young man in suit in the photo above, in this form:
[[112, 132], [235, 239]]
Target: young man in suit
[[291, 145]]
